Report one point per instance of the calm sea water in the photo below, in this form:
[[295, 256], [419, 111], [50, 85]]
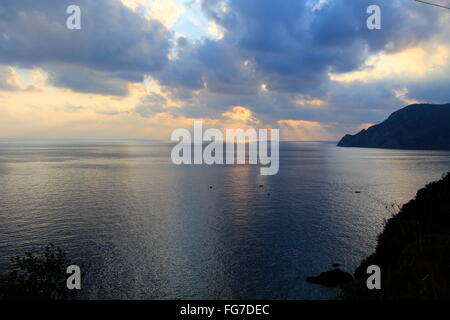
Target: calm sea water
[[146, 229]]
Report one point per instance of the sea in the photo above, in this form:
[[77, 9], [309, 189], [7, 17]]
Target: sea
[[144, 228]]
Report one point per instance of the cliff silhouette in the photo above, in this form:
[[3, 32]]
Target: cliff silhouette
[[413, 251], [417, 126]]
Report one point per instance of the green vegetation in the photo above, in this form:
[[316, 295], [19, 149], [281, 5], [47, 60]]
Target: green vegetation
[[37, 276], [413, 251]]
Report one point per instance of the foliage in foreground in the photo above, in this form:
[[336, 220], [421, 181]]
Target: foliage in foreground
[[37, 276], [413, 251]]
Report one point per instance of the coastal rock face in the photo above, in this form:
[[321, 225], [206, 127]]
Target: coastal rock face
[[418, 126], [413, 251], [331, 278]]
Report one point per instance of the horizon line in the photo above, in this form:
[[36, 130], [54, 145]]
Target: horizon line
[[130, 139]]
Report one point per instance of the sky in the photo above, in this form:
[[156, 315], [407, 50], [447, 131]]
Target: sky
[[143, 68]]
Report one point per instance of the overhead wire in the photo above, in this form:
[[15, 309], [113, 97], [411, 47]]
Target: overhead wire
[[432, 4]]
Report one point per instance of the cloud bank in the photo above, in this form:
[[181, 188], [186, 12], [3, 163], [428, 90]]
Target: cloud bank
[[298, 65]]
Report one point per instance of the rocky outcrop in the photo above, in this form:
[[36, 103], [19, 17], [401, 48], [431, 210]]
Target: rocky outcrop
[[331, 278], [418, 126]]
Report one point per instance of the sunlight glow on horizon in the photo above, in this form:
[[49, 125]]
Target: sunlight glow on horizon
[[33, 104]]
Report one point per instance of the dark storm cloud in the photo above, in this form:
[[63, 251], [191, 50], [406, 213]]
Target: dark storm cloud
[[214, 65], [114, 42], [288, 45], [292, 47], [87, 80]]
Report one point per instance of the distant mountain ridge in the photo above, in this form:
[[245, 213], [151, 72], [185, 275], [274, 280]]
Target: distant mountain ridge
[[417, 126]]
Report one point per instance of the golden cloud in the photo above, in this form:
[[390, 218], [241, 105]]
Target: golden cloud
[[409, 63]]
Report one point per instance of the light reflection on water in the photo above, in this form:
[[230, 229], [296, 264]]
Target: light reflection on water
[[147, 229]]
